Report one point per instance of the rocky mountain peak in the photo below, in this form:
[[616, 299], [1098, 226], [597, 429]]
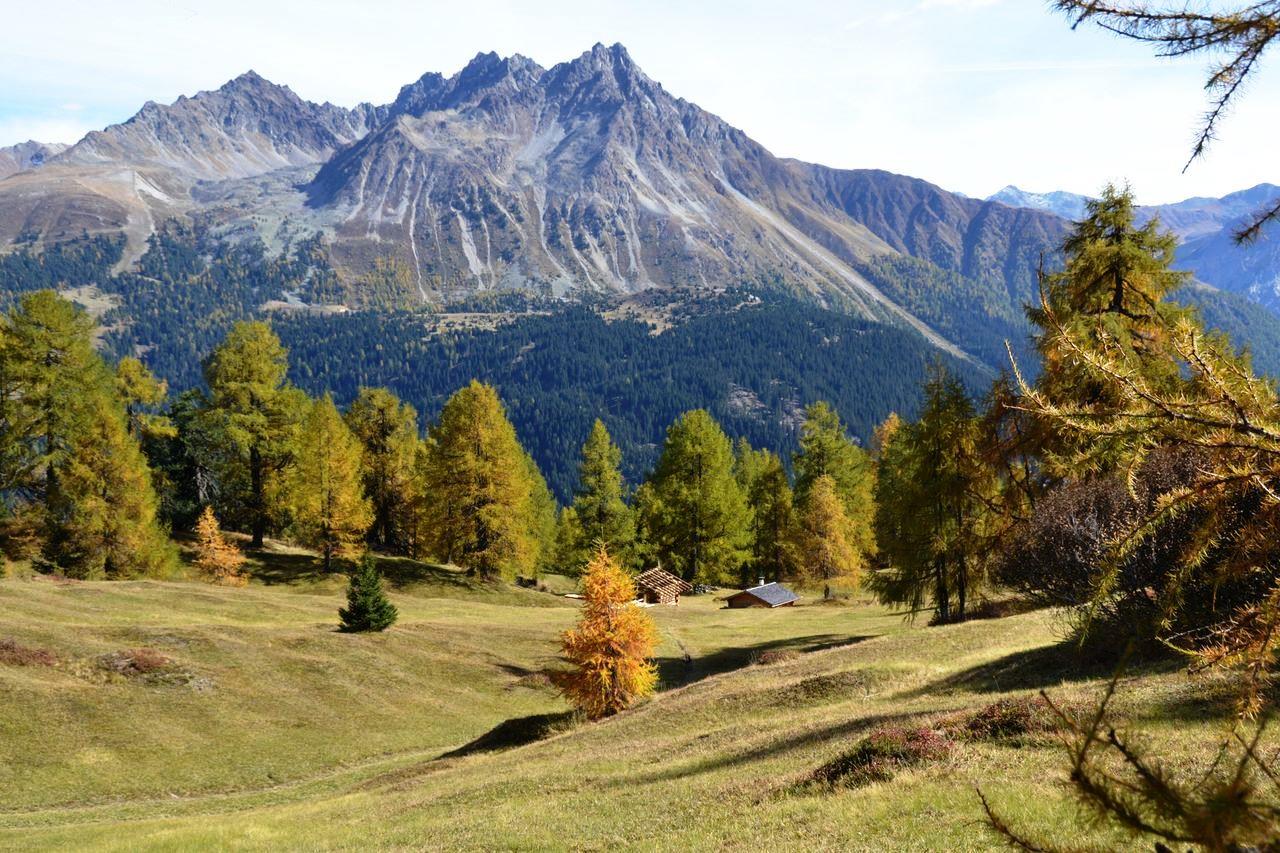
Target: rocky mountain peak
[[248, 126], [601, 75], [485, 75], [26, 155]]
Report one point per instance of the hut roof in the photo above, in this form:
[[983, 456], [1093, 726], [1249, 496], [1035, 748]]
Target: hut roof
[[660, 581], [772, 594]]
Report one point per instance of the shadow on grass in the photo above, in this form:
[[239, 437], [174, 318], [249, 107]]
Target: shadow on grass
[[271, 567], [851, 729], [1040, 668], [517, 731], [679, 671]]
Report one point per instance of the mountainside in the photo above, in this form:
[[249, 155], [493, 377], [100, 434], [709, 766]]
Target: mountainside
[[132, 176], [26, 155], [451, 232], [587, 178]]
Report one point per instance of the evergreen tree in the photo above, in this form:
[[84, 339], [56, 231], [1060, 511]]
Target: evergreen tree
[[826, 554], [763, 481], [543, 519], [101, 508], [569, 540], [478, 486], [600, 510], [368, 608], [324, 486], [142, 394], [612, 646], [826, 449], [69, 463], [49, 366], [693, 512], [254, 413], [1114, 286], [388, 433], [931, 498], [218, 559]]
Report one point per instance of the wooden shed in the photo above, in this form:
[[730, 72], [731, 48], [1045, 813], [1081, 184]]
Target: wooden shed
[[764, 595], [658, 587]]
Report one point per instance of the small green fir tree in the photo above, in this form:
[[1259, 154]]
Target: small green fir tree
[[367, 606]]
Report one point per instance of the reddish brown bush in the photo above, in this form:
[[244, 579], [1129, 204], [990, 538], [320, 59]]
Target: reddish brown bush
[[1007, 718], [134, 662], [12, 653], [880, 755]]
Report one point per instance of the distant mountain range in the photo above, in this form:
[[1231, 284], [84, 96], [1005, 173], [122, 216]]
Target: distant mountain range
[[579, 181], [1205, 227]]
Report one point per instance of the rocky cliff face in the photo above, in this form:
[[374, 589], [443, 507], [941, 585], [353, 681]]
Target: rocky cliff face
[[590, 176]]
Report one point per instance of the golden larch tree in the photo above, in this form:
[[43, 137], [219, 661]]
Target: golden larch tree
[[827, 553], [325, 486], [479, 485], [219, 560], [612, 646]]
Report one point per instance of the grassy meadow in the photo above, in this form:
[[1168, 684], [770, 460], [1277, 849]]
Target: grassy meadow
[[262, 727]]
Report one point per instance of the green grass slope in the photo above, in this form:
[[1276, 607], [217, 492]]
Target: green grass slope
[[270, 731]]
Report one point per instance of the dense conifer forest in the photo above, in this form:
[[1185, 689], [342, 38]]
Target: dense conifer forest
[[753, 364]]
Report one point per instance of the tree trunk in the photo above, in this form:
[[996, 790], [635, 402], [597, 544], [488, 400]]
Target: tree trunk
[[328, 559], [942, 596], [257, 499], [962, 586]]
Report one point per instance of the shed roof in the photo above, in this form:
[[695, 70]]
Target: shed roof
[[662, 582], [772, 594]]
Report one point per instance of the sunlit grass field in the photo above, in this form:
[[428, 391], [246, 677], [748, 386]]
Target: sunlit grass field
[[265, 728]]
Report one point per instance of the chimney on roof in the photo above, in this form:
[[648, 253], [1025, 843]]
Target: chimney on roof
[[761, 579]]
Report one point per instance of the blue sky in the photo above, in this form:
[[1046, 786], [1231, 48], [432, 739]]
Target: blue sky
[[970, 94]]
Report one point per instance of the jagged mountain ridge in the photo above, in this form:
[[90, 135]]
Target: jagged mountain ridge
[[583, 178], [131, 176], [248, 126], [587, 177]]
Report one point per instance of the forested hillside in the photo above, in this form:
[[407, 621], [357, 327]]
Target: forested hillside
[[753, 358]]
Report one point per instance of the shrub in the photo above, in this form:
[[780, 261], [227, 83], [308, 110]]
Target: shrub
[[882, 754], [1061, 554], [134, 662], [12, 653], [1008, 718]]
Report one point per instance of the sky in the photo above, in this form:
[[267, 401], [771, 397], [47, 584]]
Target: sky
[[969, 94]]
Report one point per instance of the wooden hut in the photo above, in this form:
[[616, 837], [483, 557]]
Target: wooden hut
[[658, 587], [764, 595]]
